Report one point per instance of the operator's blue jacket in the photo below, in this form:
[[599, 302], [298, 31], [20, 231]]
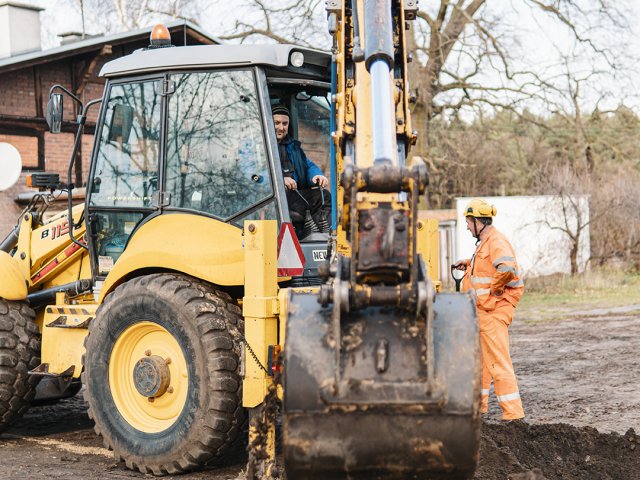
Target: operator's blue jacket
[[303, 168]]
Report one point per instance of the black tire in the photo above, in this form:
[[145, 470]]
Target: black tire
[[19, 353], [207, 326]]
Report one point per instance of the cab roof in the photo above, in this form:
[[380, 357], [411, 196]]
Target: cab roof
[[212, 56]]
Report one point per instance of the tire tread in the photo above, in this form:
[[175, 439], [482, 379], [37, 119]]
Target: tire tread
[[218, 322]]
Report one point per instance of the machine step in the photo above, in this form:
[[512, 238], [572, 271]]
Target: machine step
[[42, 370], [64, 321]]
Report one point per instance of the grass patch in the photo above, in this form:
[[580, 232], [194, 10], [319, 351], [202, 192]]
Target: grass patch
[[558, 296]]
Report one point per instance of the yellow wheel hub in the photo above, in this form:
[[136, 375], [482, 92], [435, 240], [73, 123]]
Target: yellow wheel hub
[[148, 377]]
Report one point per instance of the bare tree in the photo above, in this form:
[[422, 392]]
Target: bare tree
[[110, 16], [283, 21], [569, 194], [467, 51]]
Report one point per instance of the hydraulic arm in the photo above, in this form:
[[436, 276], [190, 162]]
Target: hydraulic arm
[[381, 374]]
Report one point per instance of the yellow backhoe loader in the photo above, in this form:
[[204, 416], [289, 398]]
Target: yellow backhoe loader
[[170, 294]]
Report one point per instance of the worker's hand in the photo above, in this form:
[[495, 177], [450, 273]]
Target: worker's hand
[[461, 265], [320, 180], [290, 183]]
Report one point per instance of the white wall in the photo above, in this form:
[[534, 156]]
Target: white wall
[[19, 29], [530, 224]]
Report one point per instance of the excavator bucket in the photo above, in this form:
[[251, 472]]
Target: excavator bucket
[[380, 394]]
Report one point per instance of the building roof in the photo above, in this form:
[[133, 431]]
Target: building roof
[[96, 43], [203, 56], [21, 5]]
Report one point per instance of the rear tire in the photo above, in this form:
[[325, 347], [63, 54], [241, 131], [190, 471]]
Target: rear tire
[[200, 412], [19, 353]]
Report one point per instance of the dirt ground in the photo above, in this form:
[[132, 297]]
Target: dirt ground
[[578, 378]]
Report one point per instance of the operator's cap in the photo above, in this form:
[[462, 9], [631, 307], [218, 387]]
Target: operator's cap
[[279, 109]]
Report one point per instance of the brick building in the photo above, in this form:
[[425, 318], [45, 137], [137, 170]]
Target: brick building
[[26, 75]]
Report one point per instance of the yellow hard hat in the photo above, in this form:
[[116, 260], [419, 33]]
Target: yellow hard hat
[[480, 208]]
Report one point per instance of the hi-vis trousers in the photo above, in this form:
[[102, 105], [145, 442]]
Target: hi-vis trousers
[[496, 361]]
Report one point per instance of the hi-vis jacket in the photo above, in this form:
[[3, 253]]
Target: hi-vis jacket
[[493, 268]]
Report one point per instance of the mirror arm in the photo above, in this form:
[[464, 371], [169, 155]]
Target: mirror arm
[[73, 97], [82, 119]]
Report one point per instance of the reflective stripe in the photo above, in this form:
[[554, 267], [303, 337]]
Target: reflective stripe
[[506, 268], [502, 260], [506, 398], [485, 392], [481, 279], [515, 283], [483, 291]]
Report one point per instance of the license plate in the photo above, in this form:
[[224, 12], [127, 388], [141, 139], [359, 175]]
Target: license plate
[[319, 255]]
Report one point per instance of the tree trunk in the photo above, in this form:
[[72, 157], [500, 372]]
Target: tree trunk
[[573, 255]]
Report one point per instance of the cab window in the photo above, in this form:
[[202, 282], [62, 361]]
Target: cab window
[[126, 172], [216, 157], [313, 125]]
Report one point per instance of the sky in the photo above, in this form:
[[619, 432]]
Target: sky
[[540, 39]]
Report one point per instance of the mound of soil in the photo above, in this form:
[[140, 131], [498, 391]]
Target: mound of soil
[[519, 451]]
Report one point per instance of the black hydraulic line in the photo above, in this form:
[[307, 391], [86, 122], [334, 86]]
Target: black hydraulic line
[[358, 53], [10, 240], [47, 296]]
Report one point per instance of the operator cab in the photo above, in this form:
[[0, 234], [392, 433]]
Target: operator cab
[[188, 130]]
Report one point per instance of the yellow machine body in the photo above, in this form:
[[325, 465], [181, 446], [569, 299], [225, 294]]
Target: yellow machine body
[[198, 246], [13, 283], [328, 334], [63, 333]]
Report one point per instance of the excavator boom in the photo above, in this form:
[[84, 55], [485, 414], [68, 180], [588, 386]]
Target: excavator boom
[[381, 373]]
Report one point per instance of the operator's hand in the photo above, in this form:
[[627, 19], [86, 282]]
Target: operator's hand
[[320, 180], [461, 265], [290, 183]]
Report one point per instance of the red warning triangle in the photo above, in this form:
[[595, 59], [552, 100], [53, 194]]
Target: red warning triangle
[[290, 256]]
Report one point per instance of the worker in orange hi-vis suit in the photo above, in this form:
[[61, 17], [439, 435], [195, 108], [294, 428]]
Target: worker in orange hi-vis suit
[[492, 273]]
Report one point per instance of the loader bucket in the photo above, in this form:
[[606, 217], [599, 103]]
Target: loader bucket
[[372, 407]]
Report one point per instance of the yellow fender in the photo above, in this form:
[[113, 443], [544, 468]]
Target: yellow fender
[[13, 285], [198, 246]]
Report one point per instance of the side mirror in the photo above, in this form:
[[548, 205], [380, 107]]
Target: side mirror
[[121, 123], [54, 113]]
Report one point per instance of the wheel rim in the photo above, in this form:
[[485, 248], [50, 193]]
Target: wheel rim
[[131, 351]]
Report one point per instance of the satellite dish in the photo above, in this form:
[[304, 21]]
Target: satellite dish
[[10, 165]]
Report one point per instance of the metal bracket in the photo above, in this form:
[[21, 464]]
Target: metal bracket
[[164, 87], [161, 199], [410, 9]]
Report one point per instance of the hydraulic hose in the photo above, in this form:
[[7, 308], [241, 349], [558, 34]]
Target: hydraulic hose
[[48, 296], [11, 240], [332, 150]]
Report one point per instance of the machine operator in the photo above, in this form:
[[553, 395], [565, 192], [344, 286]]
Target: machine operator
[[304, 182]]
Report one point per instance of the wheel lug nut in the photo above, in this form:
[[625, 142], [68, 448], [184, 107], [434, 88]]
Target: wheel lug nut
[[167, 360], [170, 390], [151, 399], [147, 353]]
